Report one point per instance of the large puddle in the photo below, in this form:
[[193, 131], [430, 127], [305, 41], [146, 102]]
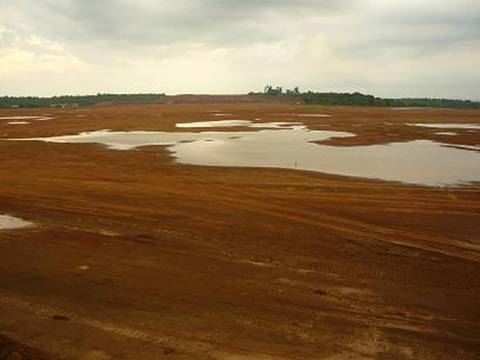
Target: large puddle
[[409, 108], [216, 123], [24, 120], [291, 146], [11, 222], [449, 126], [315, 115], [242, 123], [18, 122], [447, 133]]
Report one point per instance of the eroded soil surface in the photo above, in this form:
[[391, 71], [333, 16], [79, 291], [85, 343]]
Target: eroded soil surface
[[133, 256]]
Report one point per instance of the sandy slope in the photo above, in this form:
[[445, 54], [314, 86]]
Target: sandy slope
[[135, 257]]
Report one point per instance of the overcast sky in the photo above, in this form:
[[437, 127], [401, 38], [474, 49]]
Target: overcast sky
[[390, 48]]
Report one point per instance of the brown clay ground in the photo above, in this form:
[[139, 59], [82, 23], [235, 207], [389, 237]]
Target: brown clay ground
[[136, 257]]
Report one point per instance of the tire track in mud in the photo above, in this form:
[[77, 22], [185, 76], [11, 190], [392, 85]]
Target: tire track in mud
[[363, 230], [165, 342], [168, 344]]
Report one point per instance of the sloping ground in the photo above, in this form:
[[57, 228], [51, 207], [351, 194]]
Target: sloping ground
[[12, 350], [135, 257]]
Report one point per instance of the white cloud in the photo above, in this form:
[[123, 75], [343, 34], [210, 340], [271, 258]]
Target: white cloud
[[390, 47]]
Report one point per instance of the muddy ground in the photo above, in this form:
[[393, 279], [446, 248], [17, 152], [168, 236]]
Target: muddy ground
[[135, 257]]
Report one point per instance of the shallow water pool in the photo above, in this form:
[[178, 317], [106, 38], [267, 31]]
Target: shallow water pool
[[11, 222], [294, 146]]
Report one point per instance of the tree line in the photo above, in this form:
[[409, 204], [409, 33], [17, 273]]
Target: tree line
[[309, 97], [77, 100], [359, 99]]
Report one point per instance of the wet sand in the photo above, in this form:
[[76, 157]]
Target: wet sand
[[133, 256]]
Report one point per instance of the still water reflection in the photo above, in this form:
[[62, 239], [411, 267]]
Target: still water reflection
[[11, 222], [292, 146]]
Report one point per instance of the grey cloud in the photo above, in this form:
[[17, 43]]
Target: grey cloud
[[164, 22], [411, 28]]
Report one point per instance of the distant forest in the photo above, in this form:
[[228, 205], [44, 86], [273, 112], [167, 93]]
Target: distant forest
[[295, 94], [77, 100], [360, 99]]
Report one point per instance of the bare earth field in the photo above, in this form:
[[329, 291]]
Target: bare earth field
[[133, 256]]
